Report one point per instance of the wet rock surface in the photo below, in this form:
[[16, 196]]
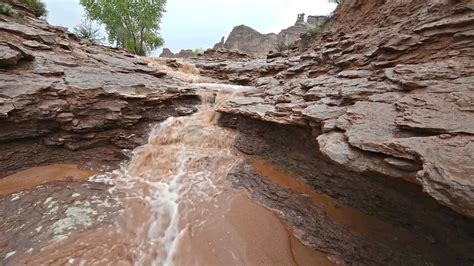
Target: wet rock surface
[[378, 220], [51, 213], [65, 101], [387, 89], [59, 95]]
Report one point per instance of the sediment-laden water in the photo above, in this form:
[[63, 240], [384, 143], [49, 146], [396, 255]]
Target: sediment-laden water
[[178, 208]]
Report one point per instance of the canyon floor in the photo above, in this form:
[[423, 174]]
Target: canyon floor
[[356, 148]]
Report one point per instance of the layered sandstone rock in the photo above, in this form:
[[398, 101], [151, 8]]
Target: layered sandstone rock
[[388, 89], [224, 55], [64, 101], [359, 218]]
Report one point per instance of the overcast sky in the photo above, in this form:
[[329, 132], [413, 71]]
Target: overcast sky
[[201, 23]]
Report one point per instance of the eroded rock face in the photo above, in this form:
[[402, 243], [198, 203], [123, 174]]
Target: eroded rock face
[[58, 95], [388, 89], [8, 56], [242, 72], [362, 218]]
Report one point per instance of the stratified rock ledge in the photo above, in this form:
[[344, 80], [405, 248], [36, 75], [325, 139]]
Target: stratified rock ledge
[[387, 89], [65, 101]]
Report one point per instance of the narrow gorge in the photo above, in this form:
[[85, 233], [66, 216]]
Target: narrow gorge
[[355, 147]]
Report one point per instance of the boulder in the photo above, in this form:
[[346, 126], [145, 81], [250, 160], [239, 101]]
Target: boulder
[[9, 56]]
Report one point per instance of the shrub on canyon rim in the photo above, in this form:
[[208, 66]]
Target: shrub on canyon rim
[[87, 31], [38, 7], [282, 46], [130, 24], [7, 10], [313, 32], [198, 52]]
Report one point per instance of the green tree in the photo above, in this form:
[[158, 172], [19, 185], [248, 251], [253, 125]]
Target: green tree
[[130, 24], [87, 31]]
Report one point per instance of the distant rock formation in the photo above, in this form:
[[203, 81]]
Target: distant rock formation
[[252, 42], [247, 40], [316, 20], [220, 45], [184, 53], [167, 53]]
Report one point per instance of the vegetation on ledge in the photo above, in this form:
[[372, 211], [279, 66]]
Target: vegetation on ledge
[[7, 10], [37, 6], [282, 46]]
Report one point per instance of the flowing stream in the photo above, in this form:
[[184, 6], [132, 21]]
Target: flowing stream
[[173, 181], [179, 208]]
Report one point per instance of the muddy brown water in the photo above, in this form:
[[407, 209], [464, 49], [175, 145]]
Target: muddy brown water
[[36, 176], [178, 207]]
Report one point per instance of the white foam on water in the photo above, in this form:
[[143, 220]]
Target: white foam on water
[[229, 88], [183, 164]]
